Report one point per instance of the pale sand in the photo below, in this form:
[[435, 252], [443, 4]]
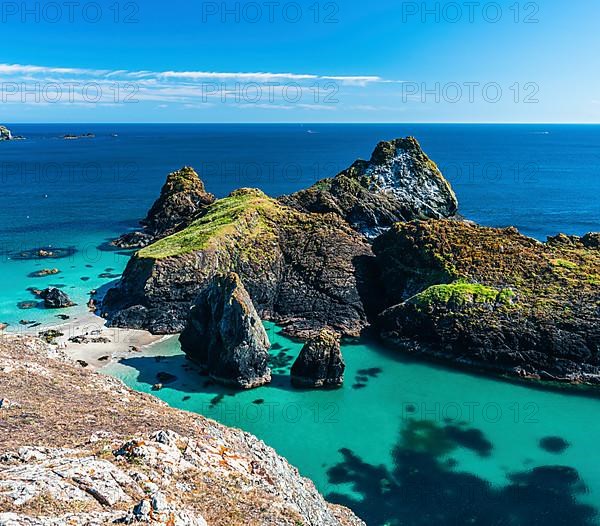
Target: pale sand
[[123, 342]]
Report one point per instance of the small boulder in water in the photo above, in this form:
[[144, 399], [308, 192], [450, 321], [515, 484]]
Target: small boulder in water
[[320, 363], [56, 299], [44, 273]]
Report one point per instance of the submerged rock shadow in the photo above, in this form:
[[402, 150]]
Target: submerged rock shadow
[[190, 379], [422, 488]]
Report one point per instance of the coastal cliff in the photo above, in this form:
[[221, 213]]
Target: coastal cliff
[[80, 448], [493, 298]]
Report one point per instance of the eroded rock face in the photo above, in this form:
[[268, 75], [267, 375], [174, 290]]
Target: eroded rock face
[[182, 199], [399, 183], [56, 299], [305, 271], [493, 299], [320, 363], [225, 335]]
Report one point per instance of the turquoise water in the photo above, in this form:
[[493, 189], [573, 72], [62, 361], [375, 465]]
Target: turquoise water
[[406, 442], [403, 442]]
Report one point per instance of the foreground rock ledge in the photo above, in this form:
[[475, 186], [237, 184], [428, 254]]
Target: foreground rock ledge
[[81, 448]]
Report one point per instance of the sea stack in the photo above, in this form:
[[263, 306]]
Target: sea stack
[[320, 364], [225, 335], [182, 199]]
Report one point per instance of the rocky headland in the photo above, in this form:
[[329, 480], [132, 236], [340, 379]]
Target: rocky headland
[[380, 245], [80, 448], [493, 298]]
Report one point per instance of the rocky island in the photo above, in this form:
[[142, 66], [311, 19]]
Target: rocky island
[[301, 270], [494, 298], [379, 246], [6, 135]]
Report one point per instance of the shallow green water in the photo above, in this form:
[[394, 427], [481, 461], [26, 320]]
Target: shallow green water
[[87, 268], [407, 442]]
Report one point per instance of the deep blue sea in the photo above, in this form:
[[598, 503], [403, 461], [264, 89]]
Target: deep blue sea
[[404, 442]]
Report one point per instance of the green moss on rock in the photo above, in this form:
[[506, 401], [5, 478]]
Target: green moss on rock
[[461, 293], [248, 207]]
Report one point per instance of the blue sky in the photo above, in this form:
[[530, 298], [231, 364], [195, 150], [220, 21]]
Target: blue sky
[[304, 61]]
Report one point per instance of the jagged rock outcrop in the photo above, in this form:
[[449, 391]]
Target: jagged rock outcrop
[[55, 299], [493, 298], [303, 258], [305, 271], [94, 452], [225, 335], [320, 363], [182, 199], [399, 183]]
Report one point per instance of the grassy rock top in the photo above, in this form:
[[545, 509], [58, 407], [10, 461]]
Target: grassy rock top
[[462, 293], [249, 209], [183, 180], [442, 252]]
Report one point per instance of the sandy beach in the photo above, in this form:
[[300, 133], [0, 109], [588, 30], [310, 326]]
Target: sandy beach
[[86, 339]]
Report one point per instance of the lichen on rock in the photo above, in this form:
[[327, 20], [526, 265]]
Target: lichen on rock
[[493, 298], [399, 183]]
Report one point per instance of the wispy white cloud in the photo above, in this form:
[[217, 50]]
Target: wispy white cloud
[[191, 89], [20, 69]]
